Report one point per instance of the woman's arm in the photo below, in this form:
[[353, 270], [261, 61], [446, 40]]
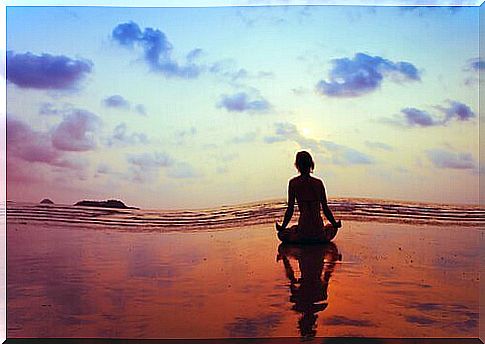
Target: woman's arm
[[326, 209], [291, 206], [329, 215]]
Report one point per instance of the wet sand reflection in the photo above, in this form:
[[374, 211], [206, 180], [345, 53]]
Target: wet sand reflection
[[308, 293], [73, 282]]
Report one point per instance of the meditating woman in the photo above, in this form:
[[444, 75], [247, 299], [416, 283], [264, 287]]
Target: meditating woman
[[309, 192]]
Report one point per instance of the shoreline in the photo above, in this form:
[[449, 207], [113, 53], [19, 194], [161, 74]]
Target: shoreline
[[241, 215]]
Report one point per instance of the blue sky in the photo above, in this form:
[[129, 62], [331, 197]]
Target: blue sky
[[196, 107]]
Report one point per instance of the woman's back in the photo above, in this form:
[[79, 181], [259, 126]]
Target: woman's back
[[309, 193]]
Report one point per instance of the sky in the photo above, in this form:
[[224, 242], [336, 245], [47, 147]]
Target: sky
[[201, 107]]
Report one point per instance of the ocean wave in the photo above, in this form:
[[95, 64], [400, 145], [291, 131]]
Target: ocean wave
[[240, 215]]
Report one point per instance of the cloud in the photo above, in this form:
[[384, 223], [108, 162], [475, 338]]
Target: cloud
[[245, 138], [229, 70], [146, 167], [119, 102], [194, 54], [116, 101], [363, 74], [182, 136], [121, 137], [30, 145], [223, 160], [343, 155], [182, 170], [413, 117], [264, 74], [458, 111], [34, 146], [46, 71], [442, 158], [150, 161], [228, 157], [140, 109], [476, 64], [127, 34], [21, 171], [472, 69], [336, 153], [378, 145], [285, 131], [77, 132], [274, 139], [288, 132], [157, 50], [49, 109], [240, 102], [299, 91], [253, 16]]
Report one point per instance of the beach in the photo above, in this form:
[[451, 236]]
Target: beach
[[79, 272]]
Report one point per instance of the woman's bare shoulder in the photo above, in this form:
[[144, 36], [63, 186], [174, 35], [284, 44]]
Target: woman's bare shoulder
[[316, 180], [318, 183]]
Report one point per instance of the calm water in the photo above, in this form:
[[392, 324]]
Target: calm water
[[81, 272]]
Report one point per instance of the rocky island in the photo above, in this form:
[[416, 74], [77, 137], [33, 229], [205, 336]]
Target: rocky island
[[112, 203]]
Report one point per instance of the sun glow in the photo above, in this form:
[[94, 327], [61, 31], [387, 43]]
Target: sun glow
[[306, 131]]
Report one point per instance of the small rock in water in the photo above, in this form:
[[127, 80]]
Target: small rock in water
[[46, 201]]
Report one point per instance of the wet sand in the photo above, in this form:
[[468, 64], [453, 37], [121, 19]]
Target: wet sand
[[377, 280]]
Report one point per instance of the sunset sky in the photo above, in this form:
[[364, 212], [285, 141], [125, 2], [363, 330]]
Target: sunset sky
[[200, 107]]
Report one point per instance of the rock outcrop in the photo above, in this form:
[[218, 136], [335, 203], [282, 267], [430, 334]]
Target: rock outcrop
[[112, 203]]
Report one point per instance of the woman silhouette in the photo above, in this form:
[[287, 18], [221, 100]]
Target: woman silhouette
[[309, 192]]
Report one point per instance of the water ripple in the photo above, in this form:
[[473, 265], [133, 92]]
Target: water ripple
[[241, 215]]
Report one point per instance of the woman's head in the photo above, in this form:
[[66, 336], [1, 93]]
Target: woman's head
[[304, 162]]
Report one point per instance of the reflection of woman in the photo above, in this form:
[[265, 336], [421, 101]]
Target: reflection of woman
[[309, 292], [309, 192]]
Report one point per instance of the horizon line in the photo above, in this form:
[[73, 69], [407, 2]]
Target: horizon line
[[266, 200]]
